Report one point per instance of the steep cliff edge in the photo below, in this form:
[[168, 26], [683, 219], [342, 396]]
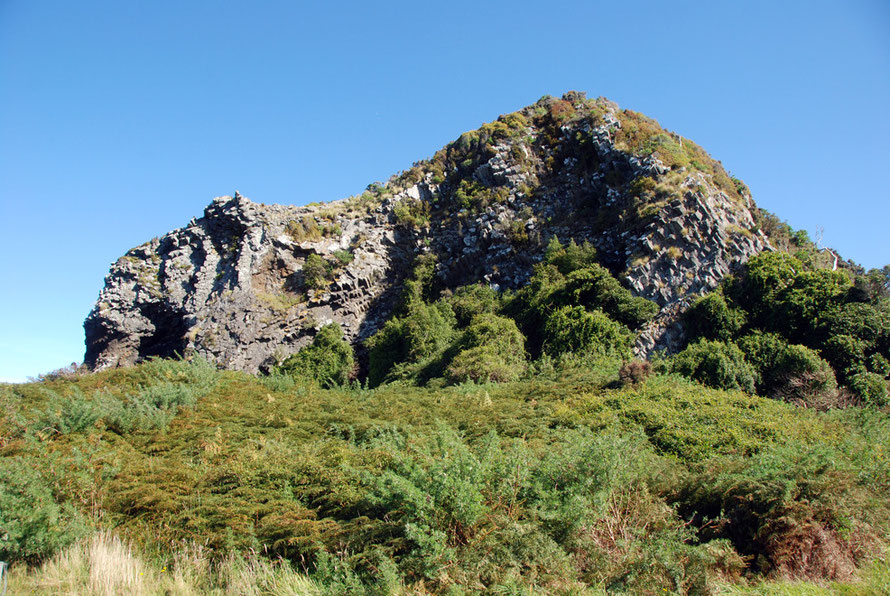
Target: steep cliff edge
[[248, 284]]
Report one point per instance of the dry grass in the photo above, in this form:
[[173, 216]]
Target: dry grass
[[104, 565]]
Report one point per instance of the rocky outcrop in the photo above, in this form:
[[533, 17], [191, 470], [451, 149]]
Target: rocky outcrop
[[248, 284]]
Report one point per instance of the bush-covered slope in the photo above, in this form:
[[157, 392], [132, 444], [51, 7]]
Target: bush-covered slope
[[562, 482]]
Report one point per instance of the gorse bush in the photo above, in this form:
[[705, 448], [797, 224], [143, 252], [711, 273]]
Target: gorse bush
[[792, 510], [789, 372], [715, 364], [574, 329], [33, 524], [711, 317], [328, 360]]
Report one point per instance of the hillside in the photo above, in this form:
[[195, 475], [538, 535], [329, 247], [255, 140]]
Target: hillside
[[234, 285], [567, 354]]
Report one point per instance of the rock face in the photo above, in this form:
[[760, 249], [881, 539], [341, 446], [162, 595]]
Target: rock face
[[248, 284]]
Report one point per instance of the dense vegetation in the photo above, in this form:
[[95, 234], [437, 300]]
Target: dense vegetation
[[564, 482], [794, 330]]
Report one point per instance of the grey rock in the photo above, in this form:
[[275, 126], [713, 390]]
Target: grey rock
[[229, 286]]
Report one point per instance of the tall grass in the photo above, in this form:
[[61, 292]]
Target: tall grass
[[105, 565]]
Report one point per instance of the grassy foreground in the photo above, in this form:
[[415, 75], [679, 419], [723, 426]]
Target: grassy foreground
[[221, 482]]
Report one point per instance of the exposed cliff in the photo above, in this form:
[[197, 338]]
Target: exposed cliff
[[248, 284]]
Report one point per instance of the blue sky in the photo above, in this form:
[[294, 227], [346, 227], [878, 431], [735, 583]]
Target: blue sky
[[120, 121]]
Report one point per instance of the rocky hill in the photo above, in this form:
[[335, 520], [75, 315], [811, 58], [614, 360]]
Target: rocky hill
[[248, 284]]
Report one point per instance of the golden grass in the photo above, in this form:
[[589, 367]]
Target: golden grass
[[105, 565]]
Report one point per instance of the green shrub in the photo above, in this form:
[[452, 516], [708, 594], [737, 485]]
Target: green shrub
[[328, 360], [67, 414], [879, 365], [845, 353], [594, 287], [425, 332], [862, 321], [869, 387], [33, 525], [711, 317], [345, 257], [789, 372], [152, 408], [315, 272], [574, 329], [483, 364], [715, 364], [493, 351], [472, 300], [569, 257]]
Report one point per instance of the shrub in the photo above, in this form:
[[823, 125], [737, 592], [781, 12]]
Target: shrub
[[67, 414], [472, 300], [315, 272], [594, 287], [483, 364], [328, 360], [574, 329], [33, 525], [845, 353], [634, 372], [869, 387], [344, 256], [425, 331], [879, 365], [569, 257], [789, 372], [711, 317], [152, 408], [792, 510], [862, 321], [303, 230], [715, 364]]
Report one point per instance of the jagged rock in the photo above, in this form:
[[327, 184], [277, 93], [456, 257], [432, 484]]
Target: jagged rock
[[230, 285]]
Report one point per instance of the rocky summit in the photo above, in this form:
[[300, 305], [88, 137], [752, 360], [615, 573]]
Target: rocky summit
[[248, 284]]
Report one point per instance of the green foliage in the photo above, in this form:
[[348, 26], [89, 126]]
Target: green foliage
[[871, 388], [574, 329], [328, 360], [570, 257], [482, 364], [33, 524], [468, 301], [569, 277], [494, 351], [794, 510], [412, 213], [344, 257], [406, 343], [315, 272], [716, 364], [711, 317], [595, 288], [845, 353], [790, 372], [866, 322]]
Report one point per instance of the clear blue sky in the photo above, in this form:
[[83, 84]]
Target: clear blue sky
[[120, 120]]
